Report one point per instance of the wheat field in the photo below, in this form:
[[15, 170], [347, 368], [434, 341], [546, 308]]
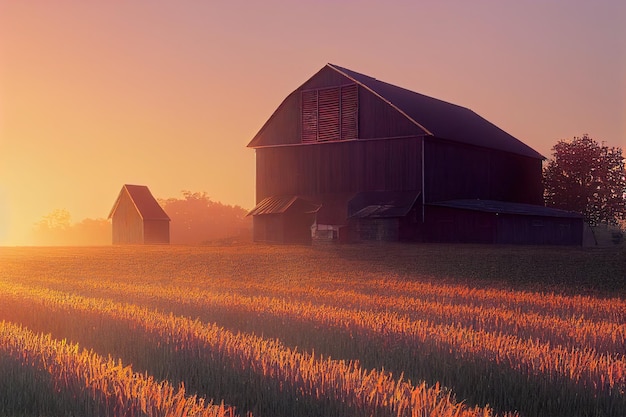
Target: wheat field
[[361, 330]]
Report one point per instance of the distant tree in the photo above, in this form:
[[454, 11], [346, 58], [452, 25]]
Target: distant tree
[[53, 228], [56, 228], [588, 178], [91, 232], [197, 219]]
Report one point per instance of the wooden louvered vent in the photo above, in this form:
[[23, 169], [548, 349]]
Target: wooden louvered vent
[[330, 114], [309, 116]]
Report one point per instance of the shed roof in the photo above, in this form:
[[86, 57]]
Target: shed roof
[[506, 207], [145, 203], [281, 204], [382, 204]]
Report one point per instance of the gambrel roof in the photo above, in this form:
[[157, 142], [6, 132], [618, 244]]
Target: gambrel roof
[[434, 117], [145, 203]]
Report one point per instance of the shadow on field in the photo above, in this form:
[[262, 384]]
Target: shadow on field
[[565, 270]]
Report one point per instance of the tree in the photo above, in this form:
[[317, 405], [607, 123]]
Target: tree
[[56, 228], [198, 219], [588, 178]]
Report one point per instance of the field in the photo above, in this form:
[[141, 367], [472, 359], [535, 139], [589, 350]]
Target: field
[[356, 330]]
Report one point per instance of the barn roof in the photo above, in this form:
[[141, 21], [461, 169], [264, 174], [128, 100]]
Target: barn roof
[[505, 207], [145, 203], [436, 118], [442, 119], [281, 204]]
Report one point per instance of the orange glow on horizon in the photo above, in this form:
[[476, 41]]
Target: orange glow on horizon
[[94, 96]]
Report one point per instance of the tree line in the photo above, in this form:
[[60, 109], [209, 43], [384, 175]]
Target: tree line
[[582, 176], [195, 219]]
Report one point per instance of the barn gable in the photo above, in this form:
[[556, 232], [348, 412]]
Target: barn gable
[[381, 110], [329, 107], [137, 218]]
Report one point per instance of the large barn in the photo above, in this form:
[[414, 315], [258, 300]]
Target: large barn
[[367, 160], [137, 218]]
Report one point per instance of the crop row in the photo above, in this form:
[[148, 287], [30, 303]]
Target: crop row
[[582, 365], [114, 389], [375, 393], [572, 332]]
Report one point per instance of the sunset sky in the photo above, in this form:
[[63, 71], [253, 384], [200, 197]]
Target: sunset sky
[[167, 94]]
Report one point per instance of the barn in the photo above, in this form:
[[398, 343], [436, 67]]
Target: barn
[[137, 218], [381, 162]]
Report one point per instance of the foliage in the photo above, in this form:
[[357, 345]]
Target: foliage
[[195, 218], [588, 178], [56, 228], [97, 382]]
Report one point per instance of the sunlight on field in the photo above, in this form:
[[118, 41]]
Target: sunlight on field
[[344, 331]]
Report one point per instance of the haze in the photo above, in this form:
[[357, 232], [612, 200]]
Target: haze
[[94, 95]]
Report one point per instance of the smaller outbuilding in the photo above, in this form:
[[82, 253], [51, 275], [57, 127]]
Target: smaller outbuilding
[[137, 218], [487, 221], [284, 220]]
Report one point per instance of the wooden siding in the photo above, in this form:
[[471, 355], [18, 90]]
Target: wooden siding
[[284, 127], [467, 226], [457, 171], [372, 116], [339, 167], [156, 232], [126, 223], [284, 228]]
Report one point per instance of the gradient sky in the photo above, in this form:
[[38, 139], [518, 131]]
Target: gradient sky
[[167, 94]]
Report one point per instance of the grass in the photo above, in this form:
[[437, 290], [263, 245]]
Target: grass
[[249, 270]]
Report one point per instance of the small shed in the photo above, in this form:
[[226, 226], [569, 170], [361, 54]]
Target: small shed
[[137, 218], [384, 215], [284, 219]]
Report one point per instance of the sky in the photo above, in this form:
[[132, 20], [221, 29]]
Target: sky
[[94, 95]]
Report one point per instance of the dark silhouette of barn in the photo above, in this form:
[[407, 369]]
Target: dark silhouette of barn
[[137, 218], [381, 162]]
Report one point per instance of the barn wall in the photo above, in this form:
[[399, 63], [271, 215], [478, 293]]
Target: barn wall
[[538, 230], [376, 118], [284, 228], [451, 225], [470, 226], [156, 232], [126, 223], [284, 127], [377, 229], [339, 167], [457, 171]]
